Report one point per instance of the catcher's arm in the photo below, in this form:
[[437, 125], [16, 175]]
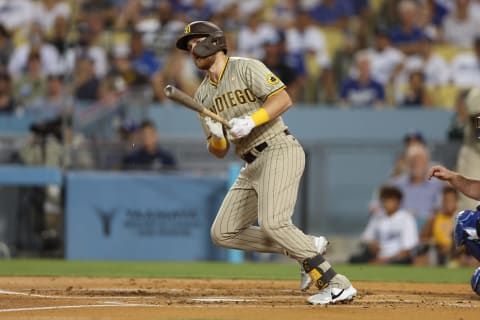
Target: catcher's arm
[[467, 186]]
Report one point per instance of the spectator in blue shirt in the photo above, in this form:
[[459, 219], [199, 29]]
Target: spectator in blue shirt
[[362, 90], [422, 196], [150, 155], [407, 35], [143, 60]]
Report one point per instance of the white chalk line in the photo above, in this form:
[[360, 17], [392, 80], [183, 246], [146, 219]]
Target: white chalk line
[[43, 296], [111, 305], [366, 299], [80, 306], [162, 290], [219, 299]]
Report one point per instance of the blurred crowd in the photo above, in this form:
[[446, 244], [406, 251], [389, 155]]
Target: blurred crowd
[[412, 217], [346, 53]]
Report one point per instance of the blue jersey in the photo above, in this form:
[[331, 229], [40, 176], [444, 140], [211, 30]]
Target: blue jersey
[[362, 94], [399, 36], [467, 232]]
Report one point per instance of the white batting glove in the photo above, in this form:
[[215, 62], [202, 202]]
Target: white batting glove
[[214, 127], [241, 127]]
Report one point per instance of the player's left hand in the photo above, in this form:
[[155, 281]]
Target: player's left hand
[[215, 127], [241, 127]]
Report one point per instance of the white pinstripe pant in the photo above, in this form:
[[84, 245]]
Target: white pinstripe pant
[[266, 190]]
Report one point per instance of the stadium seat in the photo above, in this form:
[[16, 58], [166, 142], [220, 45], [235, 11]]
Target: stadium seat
[[333, 38], [445, 96]]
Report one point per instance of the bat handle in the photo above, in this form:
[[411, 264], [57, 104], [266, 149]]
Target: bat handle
[[216, 117]]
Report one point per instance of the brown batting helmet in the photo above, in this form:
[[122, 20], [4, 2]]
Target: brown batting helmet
[[214, 42]]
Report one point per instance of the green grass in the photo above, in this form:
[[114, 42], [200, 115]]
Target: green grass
[[205, 270]]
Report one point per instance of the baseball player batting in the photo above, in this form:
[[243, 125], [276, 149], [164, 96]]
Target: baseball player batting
[[251, 98]]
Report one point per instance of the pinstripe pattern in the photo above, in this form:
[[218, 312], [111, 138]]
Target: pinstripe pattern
[[266, 190]]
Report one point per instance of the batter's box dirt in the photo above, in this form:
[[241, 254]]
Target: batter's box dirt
[[95, 298]]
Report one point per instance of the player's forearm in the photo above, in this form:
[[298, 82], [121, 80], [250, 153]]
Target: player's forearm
[[218, 147], [469, 187], [277, 104]]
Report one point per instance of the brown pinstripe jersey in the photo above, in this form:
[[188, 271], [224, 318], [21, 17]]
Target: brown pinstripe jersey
[[243, 86]]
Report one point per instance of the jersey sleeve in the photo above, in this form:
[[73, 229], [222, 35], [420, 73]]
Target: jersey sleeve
[[261, 81]]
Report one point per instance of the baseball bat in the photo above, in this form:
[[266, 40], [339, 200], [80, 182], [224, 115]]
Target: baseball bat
[[184, 99]]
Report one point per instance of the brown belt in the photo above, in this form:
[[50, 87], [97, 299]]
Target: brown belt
[[249, 157]]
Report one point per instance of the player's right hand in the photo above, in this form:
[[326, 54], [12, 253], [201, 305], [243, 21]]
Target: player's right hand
[[241, 127], [215, 128]]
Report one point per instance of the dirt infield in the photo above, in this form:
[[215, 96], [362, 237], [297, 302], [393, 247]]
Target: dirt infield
[[98, 298]]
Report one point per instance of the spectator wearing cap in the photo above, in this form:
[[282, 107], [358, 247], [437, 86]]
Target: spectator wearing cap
[[7, 102], [386, 60], [464, 68], [468, 160], [460, 27], [149, 155], [407, 34], [361, 90], [410, 138]]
